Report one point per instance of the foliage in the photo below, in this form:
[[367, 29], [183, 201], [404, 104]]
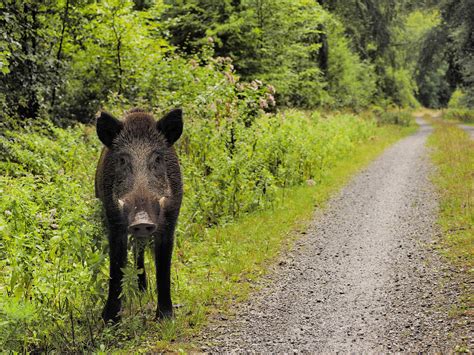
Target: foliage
[[459, 20], [453, 153], [459, 114], [447, 56], [391, 116], [376, 28], [77, 56], [409, 38], [120, 53], [53, 261], [284, 44], [456, 99], [29, 64], [351, 82], [65, 59]]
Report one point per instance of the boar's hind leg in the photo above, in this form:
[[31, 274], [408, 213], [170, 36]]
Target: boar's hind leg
[[139, 252], [163, 251], [118, 260]]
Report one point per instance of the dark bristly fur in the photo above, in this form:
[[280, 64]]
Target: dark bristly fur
[[138, 180]]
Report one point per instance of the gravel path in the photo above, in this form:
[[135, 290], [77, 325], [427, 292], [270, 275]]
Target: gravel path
[[364, 277], [468, 129]]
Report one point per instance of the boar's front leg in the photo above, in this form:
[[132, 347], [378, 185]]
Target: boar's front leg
[[118, 260], [163, 252]]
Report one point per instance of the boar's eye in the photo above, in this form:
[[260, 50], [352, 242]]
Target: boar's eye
[[157, 158], [122, 160], [156, 161]]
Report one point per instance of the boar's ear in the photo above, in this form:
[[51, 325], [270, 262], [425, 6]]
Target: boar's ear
[[171, 125], [108, 127]]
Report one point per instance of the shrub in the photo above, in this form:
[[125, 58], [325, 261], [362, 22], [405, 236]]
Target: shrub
[[459, 114], [351, 81], [393, 116], [53, 264]]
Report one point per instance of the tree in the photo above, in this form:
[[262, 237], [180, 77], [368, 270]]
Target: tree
[[283, 43], [29, 34], [447, 56], [458, 19]]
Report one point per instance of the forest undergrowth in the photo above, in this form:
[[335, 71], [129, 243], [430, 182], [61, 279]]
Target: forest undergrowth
[[54, 265]]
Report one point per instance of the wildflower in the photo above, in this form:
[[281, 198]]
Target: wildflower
[[194, 63], [230, 78], [271, 100]]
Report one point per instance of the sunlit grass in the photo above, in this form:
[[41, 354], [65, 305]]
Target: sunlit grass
[[453, 153]]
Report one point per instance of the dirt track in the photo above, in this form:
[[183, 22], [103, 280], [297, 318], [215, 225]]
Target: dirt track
[[364, 278]]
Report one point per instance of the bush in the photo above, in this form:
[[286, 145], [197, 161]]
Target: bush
[[53, 263], [459, 114], [456, 100], [386, 116], [351, 81]]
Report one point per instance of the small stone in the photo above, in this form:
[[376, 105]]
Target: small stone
[[310, 182]]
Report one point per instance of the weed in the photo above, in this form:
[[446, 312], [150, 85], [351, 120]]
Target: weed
[[453, 153]]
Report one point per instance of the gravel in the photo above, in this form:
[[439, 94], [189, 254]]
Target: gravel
[[468, 129], [365, 277]]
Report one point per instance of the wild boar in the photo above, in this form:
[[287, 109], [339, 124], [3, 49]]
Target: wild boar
[[138, 180]]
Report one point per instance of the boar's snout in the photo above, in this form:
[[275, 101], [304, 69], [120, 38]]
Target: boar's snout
[[140, 210], [142, 225]]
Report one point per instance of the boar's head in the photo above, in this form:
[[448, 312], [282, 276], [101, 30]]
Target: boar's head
[[141, 174]]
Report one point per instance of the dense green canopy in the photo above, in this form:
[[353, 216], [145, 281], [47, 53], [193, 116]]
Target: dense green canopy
[[68, 58]]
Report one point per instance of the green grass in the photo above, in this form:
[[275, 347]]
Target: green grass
[[236, 255], [453, 154]]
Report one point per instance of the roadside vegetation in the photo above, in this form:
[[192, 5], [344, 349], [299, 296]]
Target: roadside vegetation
[[453, 154], [459, 115], [457, 109], [53, 267]]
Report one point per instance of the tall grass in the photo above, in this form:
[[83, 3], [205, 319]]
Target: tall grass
[[453, 153], [459, 114]]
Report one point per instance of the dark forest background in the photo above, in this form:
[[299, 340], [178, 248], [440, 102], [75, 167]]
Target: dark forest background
[[65, 59]]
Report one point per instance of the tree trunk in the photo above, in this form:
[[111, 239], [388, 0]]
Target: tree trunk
[[59, 53]]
